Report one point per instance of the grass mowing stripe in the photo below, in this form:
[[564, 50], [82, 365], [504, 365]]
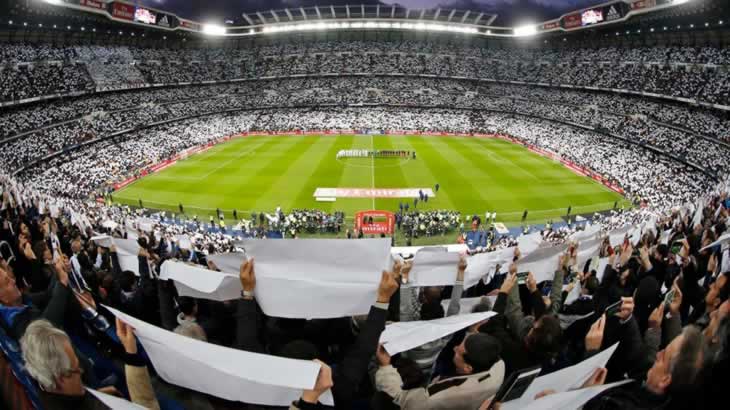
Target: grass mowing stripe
[[300, 168], [325, 173], [390, 174], [453, 180], [276, 160], [420, 174]]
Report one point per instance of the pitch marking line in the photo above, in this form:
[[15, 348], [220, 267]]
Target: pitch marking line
[[372, 148], [223, 164]]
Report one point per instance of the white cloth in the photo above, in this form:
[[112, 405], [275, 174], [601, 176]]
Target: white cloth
[[199, 282], [313, 278], [114, 403], [433, 268], [542, 263], [529, 243], [721, 240], [223, 372], [616, 237], [467, 304], [568, 378], [402, 336], [127, 251], [569, 400], [483, 265]]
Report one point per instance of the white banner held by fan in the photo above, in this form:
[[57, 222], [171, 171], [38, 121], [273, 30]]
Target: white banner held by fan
[[223, 372]]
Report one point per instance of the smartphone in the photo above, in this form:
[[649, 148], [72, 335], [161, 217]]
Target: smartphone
[[676, 247], [515, 386], [669, 298], [522, 277], [612, 309]]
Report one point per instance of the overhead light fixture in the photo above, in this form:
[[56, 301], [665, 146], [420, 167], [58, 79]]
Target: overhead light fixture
[[214, 30], [526, 30]]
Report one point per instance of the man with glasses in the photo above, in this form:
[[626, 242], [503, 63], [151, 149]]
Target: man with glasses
[[52, 362]]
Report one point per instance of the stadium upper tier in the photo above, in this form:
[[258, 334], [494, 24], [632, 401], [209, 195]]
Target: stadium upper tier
[[693, 74]]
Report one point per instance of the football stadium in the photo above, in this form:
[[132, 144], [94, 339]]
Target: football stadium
[[394, 204], [264, 172]]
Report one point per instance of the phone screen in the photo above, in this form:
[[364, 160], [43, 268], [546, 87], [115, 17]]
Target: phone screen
[[516, 385], [613, 308], [522, 277], [668, 298]]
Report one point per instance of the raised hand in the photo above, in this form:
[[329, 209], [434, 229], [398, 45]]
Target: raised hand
[[382, 356], [406, 271], [247, 276], [126, 336], [531, 283], [388, 286], [597, 378], [594, 338], [509, 283], [461, 268], [60, 266], [324, 383], [677, 301], [655, 319], [627, 308]]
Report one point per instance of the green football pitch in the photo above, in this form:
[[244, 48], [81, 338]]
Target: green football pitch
[[476, 175]]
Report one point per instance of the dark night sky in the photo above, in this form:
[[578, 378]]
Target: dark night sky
[[510, 11]]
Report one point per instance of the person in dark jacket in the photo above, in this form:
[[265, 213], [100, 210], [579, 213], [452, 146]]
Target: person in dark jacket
[[347, 375], [668, 384], [17, 311]]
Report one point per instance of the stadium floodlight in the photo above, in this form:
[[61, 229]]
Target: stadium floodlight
[[214, 30], [526, 30]]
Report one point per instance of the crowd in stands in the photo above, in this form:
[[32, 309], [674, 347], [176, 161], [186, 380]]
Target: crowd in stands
[[672, 351], [58, 338], [81, 171], [653, 70]]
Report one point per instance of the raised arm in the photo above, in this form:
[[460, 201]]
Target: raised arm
[[454, 304], [247, 313], [138, 378]]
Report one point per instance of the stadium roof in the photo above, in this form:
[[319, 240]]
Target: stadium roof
[[372, 17]]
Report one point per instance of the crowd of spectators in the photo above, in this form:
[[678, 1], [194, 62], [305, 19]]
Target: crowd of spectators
[[654, 70], [57, 289], [669, 280]]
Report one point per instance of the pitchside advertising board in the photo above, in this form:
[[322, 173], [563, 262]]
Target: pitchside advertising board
[[375, 222]]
